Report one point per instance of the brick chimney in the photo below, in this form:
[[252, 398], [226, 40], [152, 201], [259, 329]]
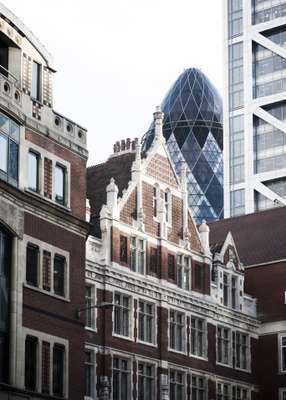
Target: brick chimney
[[124, 146]]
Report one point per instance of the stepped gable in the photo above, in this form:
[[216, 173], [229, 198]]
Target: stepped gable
[[98, 177], [259, 237]]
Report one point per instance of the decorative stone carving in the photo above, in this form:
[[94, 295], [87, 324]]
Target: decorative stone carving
[[104, 388], [12, 217]]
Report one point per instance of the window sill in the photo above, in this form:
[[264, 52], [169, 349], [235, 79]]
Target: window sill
[[203, 358], [155, 345], [177, 351], [224, 365], [130, 339], [89, 329], [51, 201], [39, 290]]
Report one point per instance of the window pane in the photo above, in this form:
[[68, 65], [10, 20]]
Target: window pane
[[60, 184], [58, 370], [33, 171], [59, 275], [36, 81], [32, 261], [30, 363], [13, 161], [3, 153]]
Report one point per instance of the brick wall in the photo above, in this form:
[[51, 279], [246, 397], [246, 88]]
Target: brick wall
[[78, 170]]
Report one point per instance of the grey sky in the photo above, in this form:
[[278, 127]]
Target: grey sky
[[117, 58]]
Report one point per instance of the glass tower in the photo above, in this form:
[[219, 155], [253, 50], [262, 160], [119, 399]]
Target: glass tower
[[255, 105], [193, 131]]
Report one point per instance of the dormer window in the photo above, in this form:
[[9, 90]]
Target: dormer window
[[230, 290], [36, 81]]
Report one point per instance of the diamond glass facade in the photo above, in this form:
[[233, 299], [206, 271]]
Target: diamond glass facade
[[193, 131]]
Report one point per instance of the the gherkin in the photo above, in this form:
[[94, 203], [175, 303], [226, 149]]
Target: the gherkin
[[194, 134]]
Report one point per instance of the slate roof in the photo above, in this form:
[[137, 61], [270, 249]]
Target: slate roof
[[259, 237], [98, 177]]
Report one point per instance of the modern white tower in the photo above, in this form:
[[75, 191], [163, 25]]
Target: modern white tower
[[255, 105]]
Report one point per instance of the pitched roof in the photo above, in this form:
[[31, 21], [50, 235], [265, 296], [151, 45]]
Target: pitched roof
[[260, 237], [98, 177]]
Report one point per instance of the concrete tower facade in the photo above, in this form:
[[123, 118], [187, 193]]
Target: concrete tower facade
[[255, 105]]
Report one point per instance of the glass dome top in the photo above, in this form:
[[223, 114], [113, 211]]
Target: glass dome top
[[193, 130]]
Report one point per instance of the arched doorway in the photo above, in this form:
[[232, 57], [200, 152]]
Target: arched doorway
[[5, 268]]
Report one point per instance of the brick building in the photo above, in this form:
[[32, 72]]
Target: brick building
[[260, 240], [42, 226], [172, 320]]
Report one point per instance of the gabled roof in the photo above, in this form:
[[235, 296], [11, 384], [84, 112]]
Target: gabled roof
[[259, 237], [98, 177]]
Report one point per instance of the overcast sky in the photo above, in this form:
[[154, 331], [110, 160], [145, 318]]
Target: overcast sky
[[116, 59]]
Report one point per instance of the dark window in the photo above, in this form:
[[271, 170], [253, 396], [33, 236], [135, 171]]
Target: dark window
[[171, 267], [58, 370], [59, 275], [9, 149], [5, 260], [31, 345], [33, 171], [89, 373], [45, 367], [36, 80], [60, 178], [46, 271], [32, 265], [154, 260], [123, 249], [198, 277]]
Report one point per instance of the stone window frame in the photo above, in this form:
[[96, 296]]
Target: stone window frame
[[93, 311], [154, 363], [205, 337], [280, 337], [131, 335], [282, 392], [52, 340], [183, 267], [53, 250], [231, 386], [154, 342], [185, 334], [138, 251], [179, 369], [42, 154], [204, 377], [95, 379], [129, 359], [231, 349]]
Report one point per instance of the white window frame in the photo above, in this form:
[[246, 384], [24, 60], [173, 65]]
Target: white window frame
[[31, 147], [182, 268], [154, 325], [129, 371], [184, 331], [231, 387], [280, 352], [199, 376], [240, 333], [53, 250], [184, 382], [282, 391], [136, 252], [168, 206], [130, 316], [154, 366], [229, 364], [94, 380], [52, 340], [93, 311], [204, 337]]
